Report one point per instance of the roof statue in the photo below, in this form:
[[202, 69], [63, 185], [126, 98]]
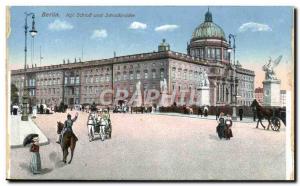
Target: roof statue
[[269, 68]]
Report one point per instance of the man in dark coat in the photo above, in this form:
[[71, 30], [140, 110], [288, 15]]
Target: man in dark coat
[[221, 126], [200, 112], [254, 113], [217, 113], [241, 114], [259, 118]]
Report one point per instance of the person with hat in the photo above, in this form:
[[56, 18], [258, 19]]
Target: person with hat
[[67, 126], [35, 162], [221, 126]]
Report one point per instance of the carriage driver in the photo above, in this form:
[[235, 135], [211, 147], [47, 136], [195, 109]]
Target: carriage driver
[[98, 116], [67, 126], [106, 114]]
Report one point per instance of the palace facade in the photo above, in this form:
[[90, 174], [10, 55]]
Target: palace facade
[[83, 82]]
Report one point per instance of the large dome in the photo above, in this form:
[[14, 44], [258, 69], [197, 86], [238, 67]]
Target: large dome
[[208, 30]]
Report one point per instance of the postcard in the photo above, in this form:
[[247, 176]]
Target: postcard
[[150, 93]]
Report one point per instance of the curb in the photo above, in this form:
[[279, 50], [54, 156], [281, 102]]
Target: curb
[[47, 142]]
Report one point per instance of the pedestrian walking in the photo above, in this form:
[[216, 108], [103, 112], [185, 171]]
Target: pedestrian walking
[[217, 113], [241, 114], [205, 111], [254, 113], [200, 112], [259, 119], [220, 129]]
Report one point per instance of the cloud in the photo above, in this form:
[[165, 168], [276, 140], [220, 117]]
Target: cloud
[[59, 25], [137, 25], [99, 34], [254, 27], [164, 28]]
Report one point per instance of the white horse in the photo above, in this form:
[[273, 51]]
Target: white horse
[[91, 126], [103, 124]]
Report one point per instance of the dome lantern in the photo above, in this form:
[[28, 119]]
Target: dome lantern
[[208, 16], [208, 29]]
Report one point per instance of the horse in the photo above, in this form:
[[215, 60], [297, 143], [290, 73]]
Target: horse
[[262, 112], [68, 141]]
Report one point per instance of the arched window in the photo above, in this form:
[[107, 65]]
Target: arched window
[[153, 73], [162, 73], [131, 75], [125, 75], [174, 72], [146, 74], [138, 75]]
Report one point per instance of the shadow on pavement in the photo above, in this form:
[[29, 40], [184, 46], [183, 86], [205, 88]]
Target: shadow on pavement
[[214, 137], [58, 163], [26, 167]]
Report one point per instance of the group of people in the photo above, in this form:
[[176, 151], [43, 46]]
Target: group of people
[[99, 122], [203, 111], [224, 126]]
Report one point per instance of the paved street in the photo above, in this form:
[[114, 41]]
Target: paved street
[[147, 146]]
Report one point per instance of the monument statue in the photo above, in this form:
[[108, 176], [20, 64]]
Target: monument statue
[[138, 86], [163, 86], [269, 68], [205, 77]]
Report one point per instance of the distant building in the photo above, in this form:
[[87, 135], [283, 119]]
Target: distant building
[[83, 82], [283, 98], [259, 95]]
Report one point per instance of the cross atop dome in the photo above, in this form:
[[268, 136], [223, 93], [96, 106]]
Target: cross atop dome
[[208, 16]]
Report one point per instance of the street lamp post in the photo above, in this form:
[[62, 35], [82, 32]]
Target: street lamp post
[[231, 36], [33, 32]]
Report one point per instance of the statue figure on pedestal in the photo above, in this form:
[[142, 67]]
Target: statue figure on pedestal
[[205, 79], [163, 86], [269, 68]]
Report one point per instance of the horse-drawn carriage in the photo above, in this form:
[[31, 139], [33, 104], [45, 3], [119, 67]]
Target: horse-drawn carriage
[[100, 126], [274, 115]]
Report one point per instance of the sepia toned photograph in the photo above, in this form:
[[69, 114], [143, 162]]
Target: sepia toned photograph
[[150, 93]]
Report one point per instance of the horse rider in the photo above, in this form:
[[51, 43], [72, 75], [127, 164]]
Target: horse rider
[[67, 126]]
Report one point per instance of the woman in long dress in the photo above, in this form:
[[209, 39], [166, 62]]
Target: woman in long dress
[[228, 131], [221, 126], [35, 163]]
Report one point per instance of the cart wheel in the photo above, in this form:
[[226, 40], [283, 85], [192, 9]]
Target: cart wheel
[[275, 124]]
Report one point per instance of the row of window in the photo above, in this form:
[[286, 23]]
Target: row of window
[[90, 71], [72, 91], [50, 75], [209, 53], [138, 76], [49, 91], [72, 80], [48, 82], [177, 74], [118, 67], [97, 79]]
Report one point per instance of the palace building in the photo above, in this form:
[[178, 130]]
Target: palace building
[[207, 57]]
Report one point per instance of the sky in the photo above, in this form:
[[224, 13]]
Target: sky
[[261, 33]]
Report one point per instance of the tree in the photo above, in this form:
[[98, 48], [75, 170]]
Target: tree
[[14, 96]]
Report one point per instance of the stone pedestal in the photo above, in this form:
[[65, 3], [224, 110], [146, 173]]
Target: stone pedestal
[[203, 96], [164, 99], [271, 92]]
